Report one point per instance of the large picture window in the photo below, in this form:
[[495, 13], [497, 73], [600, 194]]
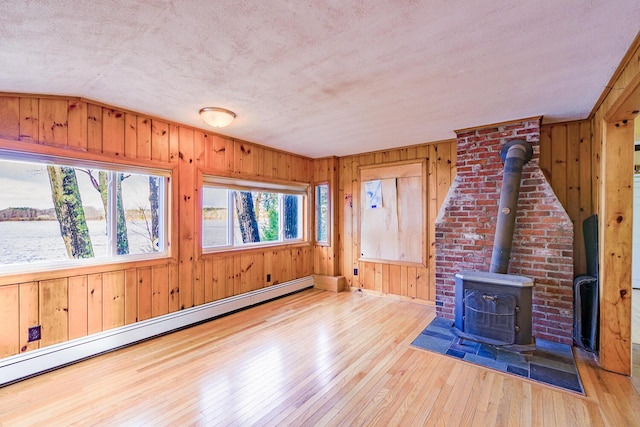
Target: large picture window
[[57, 212], [240, 213]]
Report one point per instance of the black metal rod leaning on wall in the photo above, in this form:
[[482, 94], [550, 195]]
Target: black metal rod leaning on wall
[[515, 154]]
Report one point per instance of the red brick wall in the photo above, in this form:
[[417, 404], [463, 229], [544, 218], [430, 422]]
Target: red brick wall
[[542, 246]]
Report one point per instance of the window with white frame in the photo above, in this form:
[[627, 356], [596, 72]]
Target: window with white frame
[[58, 212], [239, 213], [322, 213]]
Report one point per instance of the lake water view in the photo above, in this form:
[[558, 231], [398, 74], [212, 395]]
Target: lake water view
[[36, 241]]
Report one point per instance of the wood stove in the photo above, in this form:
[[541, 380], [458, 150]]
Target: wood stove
[[495, 309]]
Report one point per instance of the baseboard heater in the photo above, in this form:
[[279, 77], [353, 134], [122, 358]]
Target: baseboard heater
[[21, 366]]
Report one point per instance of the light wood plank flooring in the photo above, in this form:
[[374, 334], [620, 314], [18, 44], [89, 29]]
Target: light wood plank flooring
[[313, 358]]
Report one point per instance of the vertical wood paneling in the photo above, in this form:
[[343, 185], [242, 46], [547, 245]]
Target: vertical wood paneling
[[406, 281], [77, 121], [573, 188], [78, 309], [10, 117], [113, 132], [145, 297], [160, 290], [113, 290], [432, 213], [143, 147], [411, 282], [559, 162], [403, 281], [52, 117], [585, 205], [54, 311], [219, 278], [187, 216], [425, 289], [94, 305], [545, 151], [267, 164], [84, 304], [244, 158], [159, 141], [268, 266], [231, 274], [29, 129], [130, 296], [10, 320], [174, 143], [222, 156], [385, 279], [208, 277], [198, 283], [257, 166], [94, 128], [566, 161], [369, 278], [131, 135], [282, 265], [345, 231], [284, 166], [355, 219], [615, 248], [377, 277], [29, 314], [174, 288]]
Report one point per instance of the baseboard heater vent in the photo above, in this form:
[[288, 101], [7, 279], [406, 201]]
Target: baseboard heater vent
[[21, 366]]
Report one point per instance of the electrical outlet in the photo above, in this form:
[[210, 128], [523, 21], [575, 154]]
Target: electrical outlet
[[268, 278], [34, 333], [355, 271]]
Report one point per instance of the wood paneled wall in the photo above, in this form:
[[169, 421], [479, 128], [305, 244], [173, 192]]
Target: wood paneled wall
[[327, 256], [566, 160], [403, 281], [612, 183], [77, 302]]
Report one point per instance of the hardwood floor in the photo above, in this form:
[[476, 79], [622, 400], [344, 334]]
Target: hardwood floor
[[313, 358]]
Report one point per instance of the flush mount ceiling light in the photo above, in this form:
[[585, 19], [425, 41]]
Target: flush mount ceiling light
[[217, 117]]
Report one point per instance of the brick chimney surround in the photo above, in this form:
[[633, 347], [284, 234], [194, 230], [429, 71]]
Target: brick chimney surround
[[542, 247]]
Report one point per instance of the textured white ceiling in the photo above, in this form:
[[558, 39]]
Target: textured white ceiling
[[323, 77]]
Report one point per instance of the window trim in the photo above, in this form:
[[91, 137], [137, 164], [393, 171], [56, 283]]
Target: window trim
[[233, 183], [9, 154]]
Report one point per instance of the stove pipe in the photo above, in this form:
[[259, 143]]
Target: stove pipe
[[515, 154]]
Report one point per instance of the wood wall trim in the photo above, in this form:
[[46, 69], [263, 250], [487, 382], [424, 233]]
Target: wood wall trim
[[616, 223], [627, 106], [612, 169], [626, 60], [79, 154]]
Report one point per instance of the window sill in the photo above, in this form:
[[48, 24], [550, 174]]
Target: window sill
[[252, 249], [32, 273]]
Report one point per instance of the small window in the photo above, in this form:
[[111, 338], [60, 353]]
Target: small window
[[240, 213], [61, 212], [322, 213]]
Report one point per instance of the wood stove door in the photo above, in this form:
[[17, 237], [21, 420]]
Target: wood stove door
[[490, 315]]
